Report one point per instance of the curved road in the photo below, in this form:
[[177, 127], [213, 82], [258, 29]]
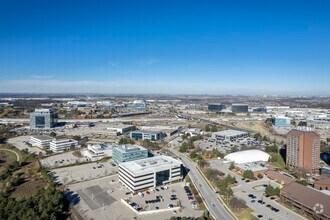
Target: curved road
[[217, 210], [12, 152]]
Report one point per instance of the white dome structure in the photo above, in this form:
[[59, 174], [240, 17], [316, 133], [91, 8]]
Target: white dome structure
[[247, 156]]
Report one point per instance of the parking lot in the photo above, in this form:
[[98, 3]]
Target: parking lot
[[264, 207], [164, 198], [100, 199], [78, 173], [256, 188], [20, 143], [60, 160]]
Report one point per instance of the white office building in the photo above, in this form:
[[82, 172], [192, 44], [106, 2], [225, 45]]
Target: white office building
[[42, 142], [98, 151], [61, 145], [150, 172]]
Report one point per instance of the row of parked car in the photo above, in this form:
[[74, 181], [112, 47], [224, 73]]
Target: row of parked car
[[190, 197]]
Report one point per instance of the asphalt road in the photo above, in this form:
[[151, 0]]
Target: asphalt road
[[21, 120], [218, 211]]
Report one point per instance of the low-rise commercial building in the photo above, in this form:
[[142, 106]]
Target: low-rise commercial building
[[98, 151], [41, 141], [128, 152], [282, 122], [322, 184], [256, 167], [151, 172], [121, 128], [60, 145], [166, 130], [146, 135], [280, 178], [309, 201], [229, 135]]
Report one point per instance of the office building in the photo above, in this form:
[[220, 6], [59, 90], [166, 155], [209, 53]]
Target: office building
[[240, 108], [43, 118], [260, 110], [137, 105], [150, 172], [121, 128], [309, 201], [216, 107], [303, 149], [229, 135], [98, 151], [42, 142], [146, 135], [128, 152], [282, 122], [61, 145]]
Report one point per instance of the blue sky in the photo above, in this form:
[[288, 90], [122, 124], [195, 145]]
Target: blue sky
[[174, 47]]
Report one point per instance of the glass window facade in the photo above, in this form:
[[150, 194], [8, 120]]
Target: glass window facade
[[162, 176]]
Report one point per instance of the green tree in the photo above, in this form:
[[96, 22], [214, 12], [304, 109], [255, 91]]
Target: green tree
[[248, 174], [232, 166], [270, 190]]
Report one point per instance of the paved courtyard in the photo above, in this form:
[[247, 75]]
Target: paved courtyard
[[63, 159], [78, 173], [20, 143]]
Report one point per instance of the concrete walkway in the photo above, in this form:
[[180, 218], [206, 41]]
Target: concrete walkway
[[18, 159]]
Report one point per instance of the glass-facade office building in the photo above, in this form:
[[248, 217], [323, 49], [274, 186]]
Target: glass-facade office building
[[146, 135], [127, 152], [43, 118], [240, 108], [216, 107]]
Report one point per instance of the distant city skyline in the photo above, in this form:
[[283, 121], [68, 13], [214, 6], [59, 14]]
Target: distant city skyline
[[165, 47]]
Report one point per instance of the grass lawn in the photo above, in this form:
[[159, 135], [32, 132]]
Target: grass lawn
[[77, 154], [6, 158], [245, 214]]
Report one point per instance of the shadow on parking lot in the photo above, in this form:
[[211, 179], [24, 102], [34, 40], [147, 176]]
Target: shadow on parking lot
[[72, 197]]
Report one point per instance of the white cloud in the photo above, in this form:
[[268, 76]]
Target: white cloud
[[41, 76], [144, 87]]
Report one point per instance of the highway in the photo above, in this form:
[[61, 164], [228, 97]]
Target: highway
[[218, 211], [26, 120]]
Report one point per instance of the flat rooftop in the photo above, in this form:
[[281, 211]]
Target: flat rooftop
[[42, 137], [254, 166], [102, 147], [230, 133], [129, 148], [149, 165], [146, 131], [119, 126]]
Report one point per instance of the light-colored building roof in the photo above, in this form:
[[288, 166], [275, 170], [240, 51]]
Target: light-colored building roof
[[42, 137], [247, 156], [253, 166], [129, 148], [150, 164], [230, 133], [147, 132]]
